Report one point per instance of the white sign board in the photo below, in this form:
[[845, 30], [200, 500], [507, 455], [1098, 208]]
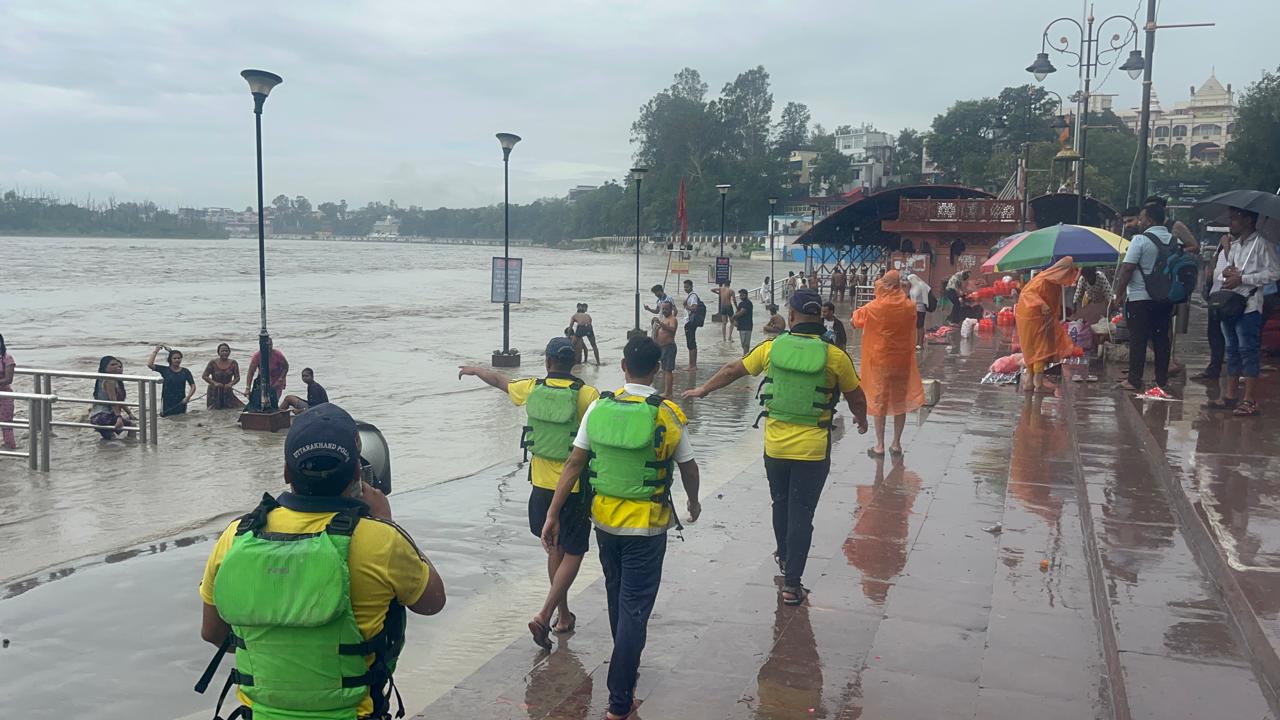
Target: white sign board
[[506, 274]]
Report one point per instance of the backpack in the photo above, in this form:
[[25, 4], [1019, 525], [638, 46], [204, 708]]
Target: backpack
[[933, 302], [1173, 276], [698, 317]]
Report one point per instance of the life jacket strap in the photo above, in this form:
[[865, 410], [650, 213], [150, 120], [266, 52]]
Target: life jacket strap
[[205, 678], [256, 518], [763, 414]]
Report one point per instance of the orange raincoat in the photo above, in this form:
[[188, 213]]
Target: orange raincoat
[[890, 378], [1039, 316]]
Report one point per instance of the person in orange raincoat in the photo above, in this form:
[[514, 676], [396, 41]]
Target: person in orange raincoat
[[1039, 317], [889, 375]]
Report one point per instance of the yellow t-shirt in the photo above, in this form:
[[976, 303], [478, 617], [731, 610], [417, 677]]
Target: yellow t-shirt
[[383, 562], [788, 441], [545, 473], [620, 516]]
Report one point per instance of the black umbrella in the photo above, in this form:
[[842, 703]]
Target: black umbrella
[[1265, 204]]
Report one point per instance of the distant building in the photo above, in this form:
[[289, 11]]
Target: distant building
[[1198, 130], [578, 191], [870, 151], [387, 227], [800, 164]]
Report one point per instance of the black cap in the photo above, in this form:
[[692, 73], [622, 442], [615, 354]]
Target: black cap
[[806, 302], [321, 448], [561, 348]]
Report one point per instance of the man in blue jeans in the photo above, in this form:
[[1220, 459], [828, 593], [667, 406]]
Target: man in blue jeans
[[631, 440], [1252, 265]]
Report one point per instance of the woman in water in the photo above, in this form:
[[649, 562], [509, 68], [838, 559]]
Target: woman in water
[[177, 379], [6, 404], [112, 417], [222, 374]]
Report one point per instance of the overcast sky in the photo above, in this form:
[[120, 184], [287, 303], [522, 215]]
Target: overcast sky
[[400, 99]]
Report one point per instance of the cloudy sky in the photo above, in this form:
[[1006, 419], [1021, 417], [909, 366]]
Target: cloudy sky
[[401, 98]]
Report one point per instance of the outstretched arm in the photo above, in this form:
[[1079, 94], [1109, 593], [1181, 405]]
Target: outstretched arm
[[725, 375], [489, 377], [151, 361]]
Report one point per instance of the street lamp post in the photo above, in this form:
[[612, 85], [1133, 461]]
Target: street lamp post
[[508, 141], [637, 174], [724, 190], [813, 221], [1089, 56], [773, 279], [260, 84]]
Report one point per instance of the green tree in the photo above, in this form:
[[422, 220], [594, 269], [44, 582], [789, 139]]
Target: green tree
[[793, 129], [744, 109], [963, 139], [908, 156], [1255, 152]]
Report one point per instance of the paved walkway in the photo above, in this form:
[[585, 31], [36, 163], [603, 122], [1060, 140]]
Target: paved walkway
[[1088, 603]]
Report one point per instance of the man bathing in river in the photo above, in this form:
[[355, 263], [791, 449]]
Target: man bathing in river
[[664, 334], [555, 405], [582, 330]]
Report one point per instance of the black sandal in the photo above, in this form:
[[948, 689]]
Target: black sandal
[[541, 634], [797, 592], [1224, 403], [573, 624], [1246, 408]]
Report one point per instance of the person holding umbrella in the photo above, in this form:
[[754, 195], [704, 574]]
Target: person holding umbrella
[[1252, 264]]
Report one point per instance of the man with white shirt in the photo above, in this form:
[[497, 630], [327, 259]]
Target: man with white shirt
[[1252, 265], [1149, 318], [695, 317], [633, 440]]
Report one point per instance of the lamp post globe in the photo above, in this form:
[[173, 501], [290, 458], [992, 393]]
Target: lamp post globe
[[506, 358], [1041, 67], [637, 174], [261, 83]]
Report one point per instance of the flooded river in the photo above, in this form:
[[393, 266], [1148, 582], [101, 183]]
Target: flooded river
[[102, 555]]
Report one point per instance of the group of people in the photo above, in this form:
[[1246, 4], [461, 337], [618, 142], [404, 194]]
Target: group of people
[[110, 410]]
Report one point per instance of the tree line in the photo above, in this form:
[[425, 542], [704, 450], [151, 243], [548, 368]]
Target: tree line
[[683, 133]]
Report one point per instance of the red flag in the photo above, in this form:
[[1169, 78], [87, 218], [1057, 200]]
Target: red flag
[[682, 217]]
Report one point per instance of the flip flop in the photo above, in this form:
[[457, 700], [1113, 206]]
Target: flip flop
[[1091, 378], [1246, 408], [871, 452], [797, 592], [895, 453], [573, 624], [541, 634]]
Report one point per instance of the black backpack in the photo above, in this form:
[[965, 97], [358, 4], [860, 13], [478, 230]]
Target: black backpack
[[698, 316], [1174, 274], [933, 302]]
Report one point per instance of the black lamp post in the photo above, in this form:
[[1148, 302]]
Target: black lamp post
[[260, 84], [508, 141], [637, 174], [773, 279], [724, 190], [813, 222], [1089, 55]]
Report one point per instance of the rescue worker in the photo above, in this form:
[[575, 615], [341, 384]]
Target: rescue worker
[[805, 378], [309, 590], [555, 404], [630, 440]]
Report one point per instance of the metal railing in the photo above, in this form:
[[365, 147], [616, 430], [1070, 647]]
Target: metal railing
[[148, 412], [36, 423]]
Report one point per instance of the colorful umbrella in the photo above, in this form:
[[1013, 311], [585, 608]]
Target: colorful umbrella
[[1042, 248]]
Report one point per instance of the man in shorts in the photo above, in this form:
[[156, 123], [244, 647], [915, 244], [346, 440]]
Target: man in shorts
[[542, 440], [695, 316], [664, 334], [582, 329], [725, 294], [744, 320]]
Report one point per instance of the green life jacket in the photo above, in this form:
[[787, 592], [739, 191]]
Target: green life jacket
[[625, 437], [299, 651], [797, 378], [553, 420]]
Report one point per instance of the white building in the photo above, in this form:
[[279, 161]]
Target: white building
[[1198, 130], [870, 152]]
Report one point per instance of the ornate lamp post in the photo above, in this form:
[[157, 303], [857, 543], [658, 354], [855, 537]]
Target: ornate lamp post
[[260, 84], [637, 174], [1089, 55], [813, 222], [508, 141], [773, 279]]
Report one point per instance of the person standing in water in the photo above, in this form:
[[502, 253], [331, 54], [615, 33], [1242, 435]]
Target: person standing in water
[[110, 414], [629, 442], [744, 320], [725, 295], [664, 334], [695, 316], [222, 374], [582, 329], [177, 379], [7, 364], [279, 372], [555, 405], [806, 378]]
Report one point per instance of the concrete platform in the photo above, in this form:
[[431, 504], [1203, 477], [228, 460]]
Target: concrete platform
[[1090, 602]]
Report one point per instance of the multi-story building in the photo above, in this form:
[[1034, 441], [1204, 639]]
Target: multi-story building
[[578, 191], [870, 151], [1199, 130], [800, 163]]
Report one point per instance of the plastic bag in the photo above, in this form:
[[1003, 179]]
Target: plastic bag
[[1007, 364], [967, 327]]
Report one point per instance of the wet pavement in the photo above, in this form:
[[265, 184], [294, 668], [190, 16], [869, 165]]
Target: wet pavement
[[1091, 601]]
